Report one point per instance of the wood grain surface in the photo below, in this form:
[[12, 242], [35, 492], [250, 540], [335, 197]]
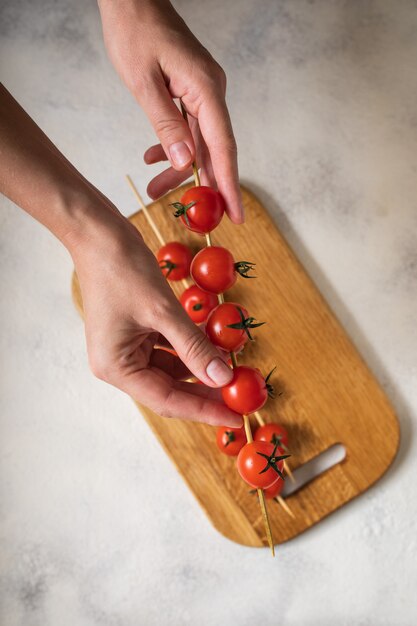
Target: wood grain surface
[[328, 393]]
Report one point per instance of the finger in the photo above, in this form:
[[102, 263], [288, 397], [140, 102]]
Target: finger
[[194, 349], [166, 180], [172, 130], [216, 129], [154, 154], [170, 398]]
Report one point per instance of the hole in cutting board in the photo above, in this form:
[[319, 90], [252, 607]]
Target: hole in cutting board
[[314, 468]]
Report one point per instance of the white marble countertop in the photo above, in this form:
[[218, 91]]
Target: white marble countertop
[[97, 528]]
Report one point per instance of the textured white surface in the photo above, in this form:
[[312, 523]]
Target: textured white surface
[[96, 526]]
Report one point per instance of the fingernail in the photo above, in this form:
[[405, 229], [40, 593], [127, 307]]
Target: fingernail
[[219, 372], [179, 154]]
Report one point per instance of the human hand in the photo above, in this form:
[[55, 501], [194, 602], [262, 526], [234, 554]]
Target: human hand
[[128, 304], [129, 307], [159, 59]]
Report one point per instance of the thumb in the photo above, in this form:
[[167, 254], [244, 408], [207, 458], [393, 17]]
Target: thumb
[[194, 349], [172, 130]]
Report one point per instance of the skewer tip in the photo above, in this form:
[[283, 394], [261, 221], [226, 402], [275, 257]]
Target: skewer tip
[[289, 472], [285, 506]]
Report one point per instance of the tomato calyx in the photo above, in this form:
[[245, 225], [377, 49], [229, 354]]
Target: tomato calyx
[[276, 440], [197, 307], [181, 209], [272, 461], [166, 264], [269, 387], [243, 267], [245, 322], [230, 437]]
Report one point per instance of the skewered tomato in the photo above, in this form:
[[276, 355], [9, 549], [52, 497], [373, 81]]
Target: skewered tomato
[[259, 464], [248, 391], [228, 326], [274, 433], [200, 209], [230, 440], [198, 303], [174, 260], [214, 269]]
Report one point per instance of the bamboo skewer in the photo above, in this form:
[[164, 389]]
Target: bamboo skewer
[[144, 208], [246, 420], [194, 164], [220, 297], [261, 495], [196, 175], [287, 469], [285, 506], [150, 220], [279, 499]]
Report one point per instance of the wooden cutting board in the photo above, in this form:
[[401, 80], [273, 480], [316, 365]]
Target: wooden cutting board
[[328, 393]]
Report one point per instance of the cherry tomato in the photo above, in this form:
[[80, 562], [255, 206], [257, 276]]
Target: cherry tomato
[[230, 440], [200, 209], [174, 260], [198, 303], [214, 269], [274, 490], [258, 465], [274, 433], [247, 392], [228, 326]]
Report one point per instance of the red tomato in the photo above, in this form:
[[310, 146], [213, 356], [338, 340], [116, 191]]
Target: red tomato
[[274, 433], [247, 392], [198, 303], [174, 260], [274, 490], [258, 465], [228, 326], [201, 209], [230, 440], [214, 269]]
